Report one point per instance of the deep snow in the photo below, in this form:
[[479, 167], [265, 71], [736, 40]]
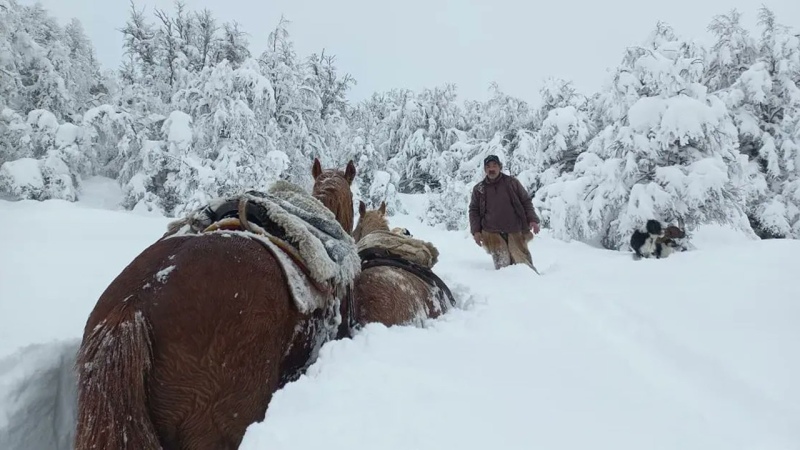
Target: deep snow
[[698, 351]]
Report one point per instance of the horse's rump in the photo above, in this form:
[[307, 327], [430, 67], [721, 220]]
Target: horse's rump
[[392, 296], [225, 334], [382, 257]]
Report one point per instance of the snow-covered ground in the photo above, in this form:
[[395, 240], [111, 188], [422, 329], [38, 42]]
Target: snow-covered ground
[[698, 351]]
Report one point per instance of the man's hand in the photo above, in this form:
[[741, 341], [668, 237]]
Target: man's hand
[[534, 227], [477, 237]]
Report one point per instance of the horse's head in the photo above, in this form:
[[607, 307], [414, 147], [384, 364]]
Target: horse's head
[[369, 221], [332, 188]]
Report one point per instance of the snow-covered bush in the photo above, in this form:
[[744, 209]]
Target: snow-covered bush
[[449, 207]]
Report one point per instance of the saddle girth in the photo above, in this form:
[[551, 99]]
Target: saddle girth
[[377, 257]]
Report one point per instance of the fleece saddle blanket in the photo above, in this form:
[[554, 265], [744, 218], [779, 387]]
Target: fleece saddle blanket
[[287, 212], [402, 246]]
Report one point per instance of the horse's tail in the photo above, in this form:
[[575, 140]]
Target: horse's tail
[[113, 363]]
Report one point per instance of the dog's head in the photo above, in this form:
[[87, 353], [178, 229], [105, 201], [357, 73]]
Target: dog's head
[[653, 227]]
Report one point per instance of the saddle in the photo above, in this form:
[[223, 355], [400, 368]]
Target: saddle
[[243, 215], [381, 257], [252, 214]]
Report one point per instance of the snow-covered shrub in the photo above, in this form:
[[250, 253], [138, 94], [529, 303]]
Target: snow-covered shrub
[[449, 207]]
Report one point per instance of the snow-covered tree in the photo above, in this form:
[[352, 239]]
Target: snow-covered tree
[[667, 150], [419, 131], [680, 132], [43, 65], [764, 99], [732, 54], [449, 207], [53, 159], [564, 129]]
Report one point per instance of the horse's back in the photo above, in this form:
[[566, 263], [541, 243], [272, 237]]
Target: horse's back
[[221, 318], [394, 296]]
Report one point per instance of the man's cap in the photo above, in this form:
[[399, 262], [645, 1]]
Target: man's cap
[[491, 158]]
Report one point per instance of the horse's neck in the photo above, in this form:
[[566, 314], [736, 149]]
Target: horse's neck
[[370, 225], [344, 218], [379, 228], [340, 212], [346, 221]]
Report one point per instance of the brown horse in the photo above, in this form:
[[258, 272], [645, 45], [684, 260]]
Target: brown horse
[[396, 285], [186, 347]]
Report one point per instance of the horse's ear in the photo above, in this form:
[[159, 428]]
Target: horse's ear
[[350, 172], [382, 209], [362, 207], [316, 169]]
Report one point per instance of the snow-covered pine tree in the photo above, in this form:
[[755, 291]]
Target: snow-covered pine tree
[[330, 134], [375, 181], [420, 131], [233, 46], [84, 77], [216, 141], [733, 52], [448, 207], [296, 105], [328, 83], [56, 162], [114, 136], [46, 77], [666, 150], [564, 129], [43, 65], [764, 99], [501, 113]]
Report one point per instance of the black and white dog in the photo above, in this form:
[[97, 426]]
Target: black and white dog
[[644, 243], [656, 241]]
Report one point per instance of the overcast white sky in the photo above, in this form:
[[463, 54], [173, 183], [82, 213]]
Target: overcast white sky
[[424, 43]]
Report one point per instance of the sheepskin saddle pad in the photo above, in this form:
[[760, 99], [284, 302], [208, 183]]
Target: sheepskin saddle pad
[[293, 216]]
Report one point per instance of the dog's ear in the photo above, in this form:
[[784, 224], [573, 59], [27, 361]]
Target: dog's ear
[[382, 209]]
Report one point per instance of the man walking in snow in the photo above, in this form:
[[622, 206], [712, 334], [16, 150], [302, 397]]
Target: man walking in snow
[[501, 216]]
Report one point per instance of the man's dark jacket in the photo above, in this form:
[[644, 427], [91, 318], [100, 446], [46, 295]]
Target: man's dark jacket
[[502, 205]]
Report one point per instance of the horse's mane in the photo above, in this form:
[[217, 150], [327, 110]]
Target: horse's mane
[[333, 190]]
